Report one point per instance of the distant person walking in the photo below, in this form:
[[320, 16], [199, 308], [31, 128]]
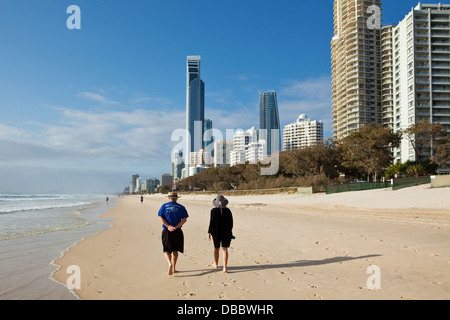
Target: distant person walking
[[221, 230], [173, 216], [142, 199]]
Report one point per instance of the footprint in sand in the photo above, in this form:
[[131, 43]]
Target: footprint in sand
[[315, 296], [436, 255], [184, 284]]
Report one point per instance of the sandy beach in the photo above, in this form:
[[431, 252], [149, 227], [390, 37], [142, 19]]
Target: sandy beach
[[287, 247]]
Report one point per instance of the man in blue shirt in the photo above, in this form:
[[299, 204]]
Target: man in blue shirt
[[173, 216]]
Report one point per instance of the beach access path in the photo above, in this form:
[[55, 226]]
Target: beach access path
[[377, 244]]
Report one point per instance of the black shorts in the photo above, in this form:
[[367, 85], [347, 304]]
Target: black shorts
[[172, 241], [223, 242]]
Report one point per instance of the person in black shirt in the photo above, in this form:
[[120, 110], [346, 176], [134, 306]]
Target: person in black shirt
[[221, 230]]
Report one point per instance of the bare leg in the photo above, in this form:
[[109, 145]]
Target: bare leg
[[215, 264], [169, 260], [225, 259], [174, 259]]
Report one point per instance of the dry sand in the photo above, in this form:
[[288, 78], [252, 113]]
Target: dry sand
[[287, 247]]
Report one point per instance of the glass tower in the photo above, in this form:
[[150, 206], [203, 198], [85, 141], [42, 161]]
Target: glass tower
[[195, 105], [270, 121]]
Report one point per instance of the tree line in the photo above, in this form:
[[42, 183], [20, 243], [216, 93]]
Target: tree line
[[364, 155]]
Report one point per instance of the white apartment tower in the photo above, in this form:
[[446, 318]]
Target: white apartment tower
[[247, 147], [421, 74], [302, 133], [356, 67], [387, 74]]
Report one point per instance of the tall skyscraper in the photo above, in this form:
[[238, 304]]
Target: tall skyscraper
[[133, 183], [394, 75], [195, 105], [356, 67], [421, 72], [387, 75], [269, 121]]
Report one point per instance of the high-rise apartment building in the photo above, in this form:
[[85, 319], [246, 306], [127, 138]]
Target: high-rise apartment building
[[302, 133], [133, 183], [152, 184], [269, 121], [356, 67], [421, 74], [177, 165], [387, 74], [195, 105], [222, 153], [208, 136], [394, 75], [247, 147], [166, 180]]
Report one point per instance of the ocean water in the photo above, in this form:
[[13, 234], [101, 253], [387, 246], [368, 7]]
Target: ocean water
[[29, 214], [36, 230]]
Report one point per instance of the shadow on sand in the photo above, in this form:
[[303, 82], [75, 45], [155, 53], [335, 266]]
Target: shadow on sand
[[256, 266]]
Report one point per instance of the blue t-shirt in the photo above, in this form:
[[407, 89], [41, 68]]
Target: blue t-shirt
[[173, 213]]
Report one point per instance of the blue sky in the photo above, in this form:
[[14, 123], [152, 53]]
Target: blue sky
[[82, 110]]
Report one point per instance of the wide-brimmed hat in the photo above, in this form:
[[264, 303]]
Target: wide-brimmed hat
[[220, 201], [173, 195]]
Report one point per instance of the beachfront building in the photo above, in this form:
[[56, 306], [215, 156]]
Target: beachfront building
[[302, 133], [177, 164], [247, 147], [152, 184], [269, 121], [195, 106], [387, 76], [166, 180], [421, 72], [222, 153], [199, 161], [208, 138], [138, 185], [356, 67], [133, 183], [255, 151]]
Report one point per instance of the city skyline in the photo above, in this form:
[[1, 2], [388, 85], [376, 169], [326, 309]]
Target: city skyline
[[83, 109]]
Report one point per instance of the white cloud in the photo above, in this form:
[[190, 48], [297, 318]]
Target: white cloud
[[243, 77], [11, 132], [90, 142], [96, 97], [139, 135]]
